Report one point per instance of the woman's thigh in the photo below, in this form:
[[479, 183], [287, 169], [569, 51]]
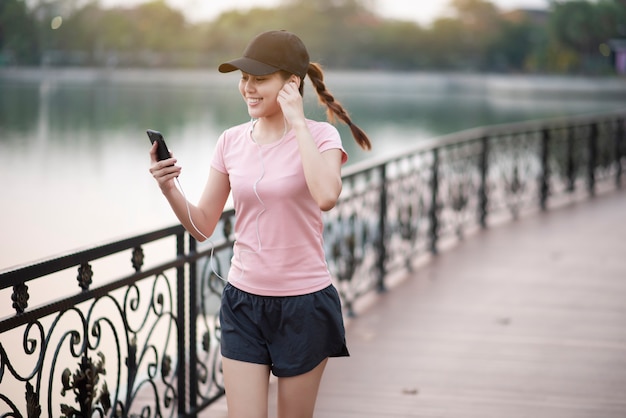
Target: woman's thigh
[[247, 386], [297, 394]]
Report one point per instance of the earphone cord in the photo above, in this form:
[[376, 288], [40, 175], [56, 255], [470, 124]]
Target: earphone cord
[[256, 193], [180, 187]]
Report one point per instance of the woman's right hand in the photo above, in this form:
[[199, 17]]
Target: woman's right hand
[[165, 171]]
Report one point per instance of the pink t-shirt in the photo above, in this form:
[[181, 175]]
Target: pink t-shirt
[[278, 247]]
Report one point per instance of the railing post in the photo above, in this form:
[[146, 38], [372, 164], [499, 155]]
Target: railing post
[[434, 203], [544, 188], [193, 320], [619, 147], [182, 326], [382, 230], [484, 175], [571, 168], [593, 156]]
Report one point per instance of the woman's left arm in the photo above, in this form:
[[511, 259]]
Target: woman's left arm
[[322, 170]]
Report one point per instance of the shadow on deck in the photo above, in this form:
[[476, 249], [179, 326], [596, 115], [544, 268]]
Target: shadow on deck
[[526, 319]]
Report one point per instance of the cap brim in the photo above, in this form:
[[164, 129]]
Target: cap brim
[[247, 65]]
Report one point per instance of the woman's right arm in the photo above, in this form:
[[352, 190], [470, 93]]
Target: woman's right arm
[[207, 213]]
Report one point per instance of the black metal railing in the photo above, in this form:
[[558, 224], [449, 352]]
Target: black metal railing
[[130, 328], [397, 210]]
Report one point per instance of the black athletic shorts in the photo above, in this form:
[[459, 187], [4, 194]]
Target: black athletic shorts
[[291, 334]]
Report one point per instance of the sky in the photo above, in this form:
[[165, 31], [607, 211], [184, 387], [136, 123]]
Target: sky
[[422, 12]]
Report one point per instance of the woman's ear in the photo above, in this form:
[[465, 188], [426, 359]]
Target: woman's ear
[[295, 79]]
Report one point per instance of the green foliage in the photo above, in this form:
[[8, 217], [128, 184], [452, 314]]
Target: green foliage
[[572, 25], [577, 30], [512, 49], [18, 41], [339, 34]]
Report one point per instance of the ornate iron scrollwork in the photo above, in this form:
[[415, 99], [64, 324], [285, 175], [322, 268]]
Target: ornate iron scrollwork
[[228, 227], [85, 274], [459, 200], [84, 385], [32, 402], [344, 253], [137, 258], [514, 188], [20, 297]]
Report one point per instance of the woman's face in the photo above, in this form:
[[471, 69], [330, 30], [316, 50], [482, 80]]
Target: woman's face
[[260, 93]]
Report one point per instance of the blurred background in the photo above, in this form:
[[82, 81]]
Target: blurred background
[[459, 35], [81, 81]]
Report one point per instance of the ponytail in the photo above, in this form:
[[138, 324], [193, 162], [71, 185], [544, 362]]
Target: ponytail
[[334, 108]]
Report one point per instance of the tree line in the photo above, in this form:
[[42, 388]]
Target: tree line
[[569, 37]]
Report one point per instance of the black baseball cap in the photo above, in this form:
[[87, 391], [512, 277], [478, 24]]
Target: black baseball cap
[[269, 52]]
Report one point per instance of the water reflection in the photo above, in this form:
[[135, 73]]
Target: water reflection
[[77, 166]]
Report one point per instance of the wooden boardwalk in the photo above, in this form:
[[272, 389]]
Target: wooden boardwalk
[[527, 319]]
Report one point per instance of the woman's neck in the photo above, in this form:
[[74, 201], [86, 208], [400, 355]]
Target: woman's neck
[[267, 131]]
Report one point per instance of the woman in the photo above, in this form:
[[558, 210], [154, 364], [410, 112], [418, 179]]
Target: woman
[[280, 312]]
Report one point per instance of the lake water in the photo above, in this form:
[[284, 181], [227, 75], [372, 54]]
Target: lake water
[[75, 153]]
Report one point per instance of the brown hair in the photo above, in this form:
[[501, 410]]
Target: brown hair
[[334, 108]]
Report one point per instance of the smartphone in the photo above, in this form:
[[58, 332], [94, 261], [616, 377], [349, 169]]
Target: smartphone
[[162, 152]]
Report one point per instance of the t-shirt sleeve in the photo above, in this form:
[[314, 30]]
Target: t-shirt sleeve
[[328, 138], [217, 162]]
